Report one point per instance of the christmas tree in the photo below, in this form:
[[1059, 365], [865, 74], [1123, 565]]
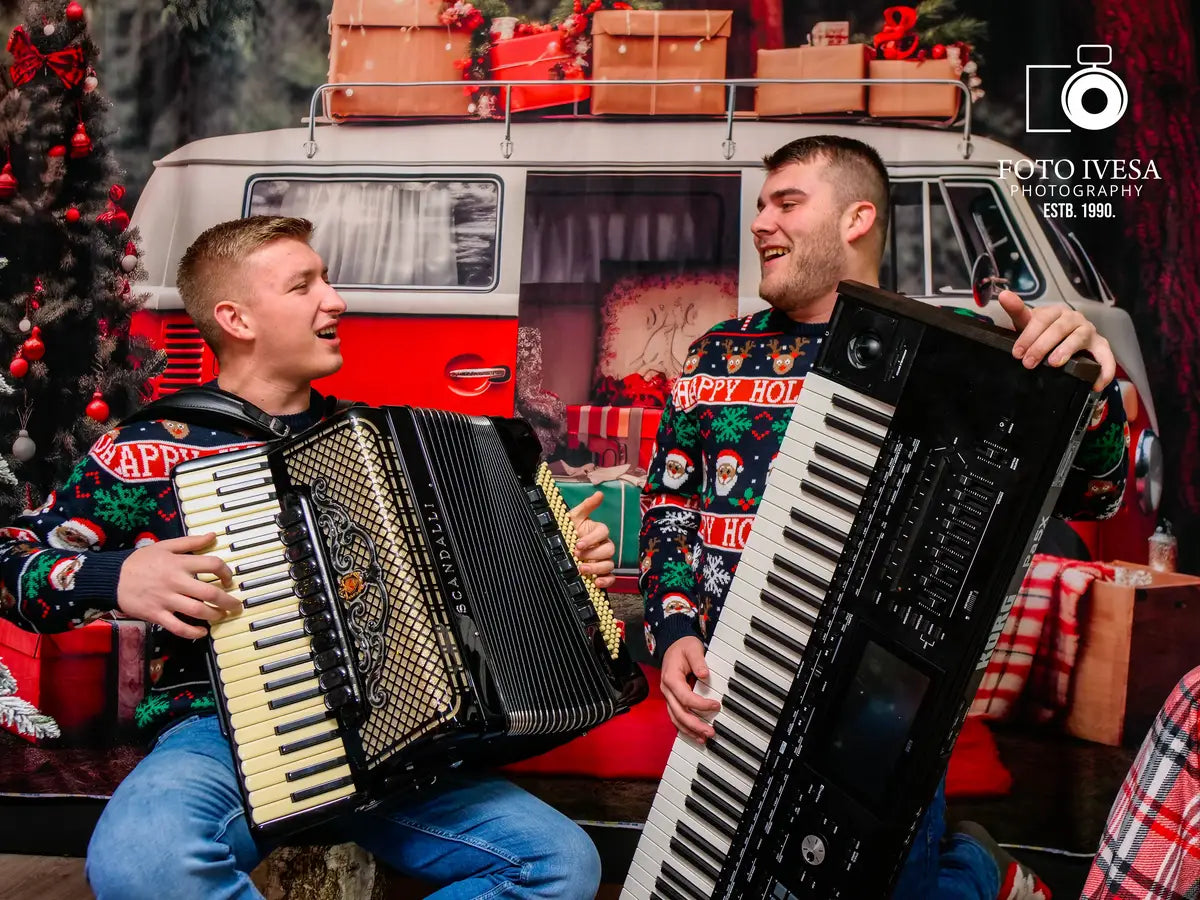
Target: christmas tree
[[68, 261]]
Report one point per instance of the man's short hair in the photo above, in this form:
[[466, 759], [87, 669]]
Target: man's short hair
[[205, 268], [856, 171]]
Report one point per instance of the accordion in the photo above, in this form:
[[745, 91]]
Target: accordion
[[411, 603]]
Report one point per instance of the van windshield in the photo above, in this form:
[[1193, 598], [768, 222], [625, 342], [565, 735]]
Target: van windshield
[[1071, 255]]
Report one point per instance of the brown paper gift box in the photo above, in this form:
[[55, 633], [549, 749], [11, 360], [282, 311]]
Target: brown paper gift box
[[661, 45], [913, 100], [1135, 643], [394, 40], [837, 61]]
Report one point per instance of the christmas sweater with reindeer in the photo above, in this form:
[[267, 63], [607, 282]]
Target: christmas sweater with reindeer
[[723, 425], [60, 564]]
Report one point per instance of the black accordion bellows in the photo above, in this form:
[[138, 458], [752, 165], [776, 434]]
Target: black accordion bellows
[[411, 603]]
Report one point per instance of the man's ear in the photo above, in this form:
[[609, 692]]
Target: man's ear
[[232, 318], [858, 220]]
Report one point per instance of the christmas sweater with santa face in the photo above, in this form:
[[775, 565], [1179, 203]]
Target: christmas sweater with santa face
[[60, 564], [723, 425]]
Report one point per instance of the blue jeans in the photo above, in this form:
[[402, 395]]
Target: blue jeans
[[176, 827], [959, 868]]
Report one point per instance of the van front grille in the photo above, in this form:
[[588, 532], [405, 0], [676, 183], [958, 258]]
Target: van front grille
[[185, 358]]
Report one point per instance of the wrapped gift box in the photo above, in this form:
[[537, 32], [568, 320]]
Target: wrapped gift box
[[832, 61], [89, 680], [394, 40], [1137, 640], [660, 45], [615, 434], [913, 101], [533, 57], [620, 511]]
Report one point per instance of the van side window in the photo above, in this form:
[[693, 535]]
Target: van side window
[[903, 267], [986, 227], [948, 258], [393, 233]]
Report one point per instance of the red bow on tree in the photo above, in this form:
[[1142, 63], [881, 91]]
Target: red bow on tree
[[28, 61], [113, 216]]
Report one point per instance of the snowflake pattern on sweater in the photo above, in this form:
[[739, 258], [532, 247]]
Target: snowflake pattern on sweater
[[723, 425]]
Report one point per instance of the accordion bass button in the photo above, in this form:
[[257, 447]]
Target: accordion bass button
[[319, 623], [293, 515], [293, 535], [297, 552], [323, 662]]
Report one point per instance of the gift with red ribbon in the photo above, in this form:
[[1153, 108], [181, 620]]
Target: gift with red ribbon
[[898, 39], [89, 679], [538, 56], [67, 64], [616, 435]]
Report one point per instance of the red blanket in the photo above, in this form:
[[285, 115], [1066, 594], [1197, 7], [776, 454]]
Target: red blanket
[[1031, 667]]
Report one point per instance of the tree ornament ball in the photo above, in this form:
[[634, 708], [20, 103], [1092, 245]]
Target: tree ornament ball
[[25, 325], [58, 150], [81, 144], [129, 261], [90, 84], [72, 214], [33, 349], [8, 183], [48, 29], [938, 51], [74, 11], [19, 367], [23, 447], [98, 409]]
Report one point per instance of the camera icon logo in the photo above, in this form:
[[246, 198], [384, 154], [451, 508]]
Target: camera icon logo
[[1092, 97]]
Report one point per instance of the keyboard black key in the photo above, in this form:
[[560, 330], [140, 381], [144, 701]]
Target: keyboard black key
[[862, 411], [849, 462]]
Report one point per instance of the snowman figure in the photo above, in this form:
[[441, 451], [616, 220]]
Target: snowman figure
[[729, 466], [678, 467]]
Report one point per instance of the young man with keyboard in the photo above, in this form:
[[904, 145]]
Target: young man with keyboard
[[110, 540], [823, 214]]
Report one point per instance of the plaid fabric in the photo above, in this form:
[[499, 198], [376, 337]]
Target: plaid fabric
[[1036, 651], [1151, 845]]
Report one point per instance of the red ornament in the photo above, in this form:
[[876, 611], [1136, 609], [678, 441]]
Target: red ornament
[[98, 409], [74, 11], [19, 367], [33, 348], [57, 151], [72, 214], [8, 184], [113, 216], [938, 51], [81, 144]]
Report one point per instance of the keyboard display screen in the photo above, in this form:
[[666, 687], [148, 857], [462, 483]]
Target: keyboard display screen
[[870, 730]]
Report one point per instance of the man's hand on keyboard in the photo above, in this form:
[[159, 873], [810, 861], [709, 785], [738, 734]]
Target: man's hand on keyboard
[[594, 551], [685, 658], [1056, 333], [159, 583]]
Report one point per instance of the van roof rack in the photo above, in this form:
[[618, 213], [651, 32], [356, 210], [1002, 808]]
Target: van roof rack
[[728, 146]]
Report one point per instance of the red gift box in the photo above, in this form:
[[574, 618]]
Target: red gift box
[[615, 434], [89, 680], [530, 58]]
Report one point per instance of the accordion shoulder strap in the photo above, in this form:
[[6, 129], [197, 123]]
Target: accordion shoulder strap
[[213, 408]]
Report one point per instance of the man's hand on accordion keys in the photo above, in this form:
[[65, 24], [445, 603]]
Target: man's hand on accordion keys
[[595, 550], [163, 581], [1056, 333]]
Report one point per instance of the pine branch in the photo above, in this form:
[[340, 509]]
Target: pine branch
[[6, 473], [27, 719]]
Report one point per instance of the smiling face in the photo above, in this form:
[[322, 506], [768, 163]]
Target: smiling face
[[289, 315], [799, 236]]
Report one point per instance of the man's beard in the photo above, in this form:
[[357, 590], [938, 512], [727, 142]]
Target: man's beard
[[814, 268]]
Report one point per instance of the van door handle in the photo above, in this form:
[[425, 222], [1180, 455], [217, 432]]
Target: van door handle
[[494, 374]]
